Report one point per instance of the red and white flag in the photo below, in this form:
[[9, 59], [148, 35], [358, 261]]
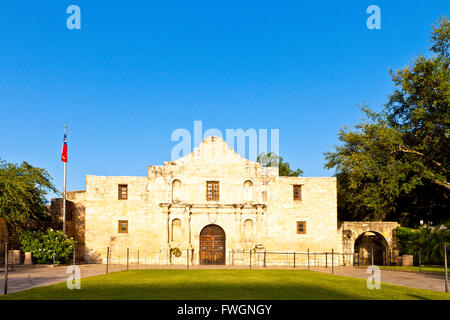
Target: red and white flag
[[64, 150]]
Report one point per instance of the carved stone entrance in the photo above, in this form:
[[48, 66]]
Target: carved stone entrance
[[212, 245]]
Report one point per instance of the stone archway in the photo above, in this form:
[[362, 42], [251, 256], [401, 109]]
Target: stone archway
[[371, 248], [212, 245], [379, 231]]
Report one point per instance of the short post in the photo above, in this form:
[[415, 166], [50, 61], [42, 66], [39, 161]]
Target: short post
[[445, 267], [326, 259], [315, 261], [332, 260], [232, 257], [53, 257], [372, 256], [250, 258], [187, 258], [107, 260], [294, 259], [420, 261], [5, 287], [264, 258], [138, 258], [128, 259], [308, 258], [358, 258]]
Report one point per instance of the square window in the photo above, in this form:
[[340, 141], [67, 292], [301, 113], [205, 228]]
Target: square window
[[212, 190], [297, 192], [123, 191], [301, 227], [123, 226]]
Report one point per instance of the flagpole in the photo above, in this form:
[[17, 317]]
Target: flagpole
[[64, 194]]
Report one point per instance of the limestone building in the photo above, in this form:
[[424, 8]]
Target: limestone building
[[211, 206]]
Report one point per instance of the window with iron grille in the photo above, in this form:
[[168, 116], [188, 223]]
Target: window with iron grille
[[123, 192], [297, 192], [301, 227], [212, 190], [123, 226]]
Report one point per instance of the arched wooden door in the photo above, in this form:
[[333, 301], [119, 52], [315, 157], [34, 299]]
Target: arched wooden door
[[212, 245]]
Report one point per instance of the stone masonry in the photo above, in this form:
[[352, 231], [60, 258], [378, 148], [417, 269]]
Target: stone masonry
[[168, 208]]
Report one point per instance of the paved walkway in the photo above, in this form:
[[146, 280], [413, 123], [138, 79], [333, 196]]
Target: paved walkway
[[401, 278], [26, 277]]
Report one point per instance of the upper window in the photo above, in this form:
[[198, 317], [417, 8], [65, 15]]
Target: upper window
[[212, 190], [297, 192], [123, 191], [123, 226], [301, 227]]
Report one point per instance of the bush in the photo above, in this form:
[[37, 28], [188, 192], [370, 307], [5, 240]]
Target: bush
[[428, 240], [43, 245]]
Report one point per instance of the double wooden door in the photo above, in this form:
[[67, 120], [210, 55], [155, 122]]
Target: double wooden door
[[212, 245]]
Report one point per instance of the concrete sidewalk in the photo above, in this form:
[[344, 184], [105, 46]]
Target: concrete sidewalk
[[26, 277], [407, 279]]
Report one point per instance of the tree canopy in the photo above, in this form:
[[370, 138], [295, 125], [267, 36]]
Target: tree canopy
[[400, 155], [22, 192], [272, 160]]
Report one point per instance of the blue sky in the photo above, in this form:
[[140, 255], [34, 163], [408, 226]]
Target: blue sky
[[138, 70]]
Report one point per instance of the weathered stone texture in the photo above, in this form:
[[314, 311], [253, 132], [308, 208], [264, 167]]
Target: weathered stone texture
[[350, 231], [255, 209]]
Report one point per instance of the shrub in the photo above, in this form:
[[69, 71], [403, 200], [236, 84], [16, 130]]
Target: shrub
[[43, 245], [428, 240]]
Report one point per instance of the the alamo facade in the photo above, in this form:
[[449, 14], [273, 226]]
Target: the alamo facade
[[212, 204]]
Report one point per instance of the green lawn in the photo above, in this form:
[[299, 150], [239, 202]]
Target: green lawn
[[425, 269], [224, 284]]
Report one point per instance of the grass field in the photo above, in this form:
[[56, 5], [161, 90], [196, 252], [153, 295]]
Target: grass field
[[224, 284]]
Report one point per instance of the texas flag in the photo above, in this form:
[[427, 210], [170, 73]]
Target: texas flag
[[64, 150]]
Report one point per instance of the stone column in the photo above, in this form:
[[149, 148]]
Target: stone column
[[165, 247], [238, 223], [165, 209], [259, 222], [187, 227]]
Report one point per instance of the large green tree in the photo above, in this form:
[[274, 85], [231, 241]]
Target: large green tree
[[400, 155], [22, 192]]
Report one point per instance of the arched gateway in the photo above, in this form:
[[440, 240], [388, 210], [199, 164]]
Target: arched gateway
[[371, 248], [369, 239], [212, 245]]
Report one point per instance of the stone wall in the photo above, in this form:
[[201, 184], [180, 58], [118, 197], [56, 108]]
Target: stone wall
[[350, 231], [3, 239], [255, 209], [75, 216]]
